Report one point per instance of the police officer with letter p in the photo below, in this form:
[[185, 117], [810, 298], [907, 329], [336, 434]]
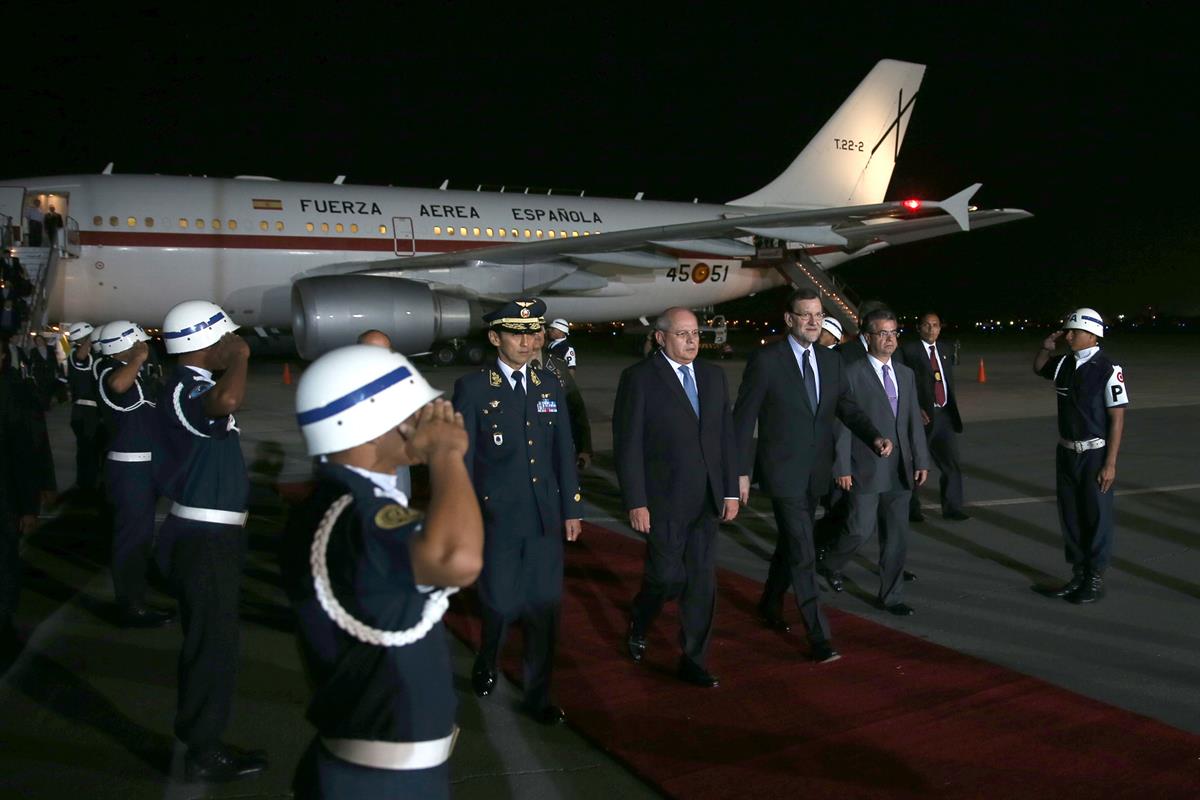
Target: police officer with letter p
[[1091, 421], [362, 570], [202, 542], [522, 462]]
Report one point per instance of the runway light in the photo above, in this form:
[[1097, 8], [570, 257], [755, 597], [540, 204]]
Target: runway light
[[912, 204]]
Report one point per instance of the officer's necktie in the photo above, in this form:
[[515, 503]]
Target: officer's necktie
[[810, 380], [519, 383], [939, 388], [889, 388], [689, 386]]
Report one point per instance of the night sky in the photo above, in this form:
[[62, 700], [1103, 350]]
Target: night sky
[[1086, 118]]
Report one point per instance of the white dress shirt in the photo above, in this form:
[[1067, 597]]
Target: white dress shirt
[[878, 365], [508, 373]]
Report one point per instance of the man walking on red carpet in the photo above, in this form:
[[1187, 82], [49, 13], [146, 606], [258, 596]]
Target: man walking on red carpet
[[674, 446]]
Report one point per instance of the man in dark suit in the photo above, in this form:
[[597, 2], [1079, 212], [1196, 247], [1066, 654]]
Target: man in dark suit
[[793, 390], [880, 486], [522, 464], [675, 455], [938, 399]]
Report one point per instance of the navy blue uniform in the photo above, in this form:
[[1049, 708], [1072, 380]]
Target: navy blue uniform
[[364, 691], [198, 465], [1085, 393], [85, 420], [522, 464], [129, 475]]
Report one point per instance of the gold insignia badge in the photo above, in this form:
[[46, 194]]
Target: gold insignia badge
[[534, 379], [494, 378], [494, 403], [545, 395], [394, 516], [578, 497]]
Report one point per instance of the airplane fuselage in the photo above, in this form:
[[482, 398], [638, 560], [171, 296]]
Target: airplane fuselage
[[148, 242]]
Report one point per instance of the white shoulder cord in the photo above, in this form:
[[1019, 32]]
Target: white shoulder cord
[[436, 603]]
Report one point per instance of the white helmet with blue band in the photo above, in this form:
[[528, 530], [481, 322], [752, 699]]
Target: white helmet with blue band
[[117, 337], [353, 394], [1085, 319], [79, 331], [194, 325]]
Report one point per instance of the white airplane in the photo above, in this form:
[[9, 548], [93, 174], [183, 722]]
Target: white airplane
[[331, 260]]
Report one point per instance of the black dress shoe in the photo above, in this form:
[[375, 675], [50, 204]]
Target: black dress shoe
[[696, 675], [549, 715], [145, 617], [823, 653], [916, 516], [900, 609], [1090, 589], [636, 642], [909, 577], [772, 616], [1066, 589], [836, 580], [483, 679], [223, 762], [956, 515]]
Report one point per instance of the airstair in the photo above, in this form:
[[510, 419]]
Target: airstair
[[802, 271]]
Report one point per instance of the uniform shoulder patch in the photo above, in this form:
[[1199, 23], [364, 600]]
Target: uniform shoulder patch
[[494, 378], [394, 515], [533, 377], [198, 389]]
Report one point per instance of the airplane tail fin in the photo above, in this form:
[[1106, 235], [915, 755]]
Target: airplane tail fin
[[850, 161]]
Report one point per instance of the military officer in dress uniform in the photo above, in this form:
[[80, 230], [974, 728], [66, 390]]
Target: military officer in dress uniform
[[362, 570], [522, 463], [126, 398], [202, 544], [581, 427], [86, 422], [1091, 421]]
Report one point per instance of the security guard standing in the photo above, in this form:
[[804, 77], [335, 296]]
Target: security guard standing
[[522, 463], [362, 570], [125, 396], [558, 332], [26, 476], [1091, 420], [85, 407], [202, 544]]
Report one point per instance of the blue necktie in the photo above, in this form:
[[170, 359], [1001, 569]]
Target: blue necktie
[[689, 387], [810, 380], [519, 384]]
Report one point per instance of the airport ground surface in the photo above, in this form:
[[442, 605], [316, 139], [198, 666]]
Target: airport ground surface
[[86, 711]]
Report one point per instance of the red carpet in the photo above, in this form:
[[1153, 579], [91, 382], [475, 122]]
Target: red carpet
[[896, 717]]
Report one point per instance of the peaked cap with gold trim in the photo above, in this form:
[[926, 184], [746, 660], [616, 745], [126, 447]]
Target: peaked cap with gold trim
[[523, 315]]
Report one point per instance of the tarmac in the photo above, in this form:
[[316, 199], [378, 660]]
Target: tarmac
[[86, 710]]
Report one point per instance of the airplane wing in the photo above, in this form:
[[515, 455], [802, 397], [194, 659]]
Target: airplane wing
[[851, 227]]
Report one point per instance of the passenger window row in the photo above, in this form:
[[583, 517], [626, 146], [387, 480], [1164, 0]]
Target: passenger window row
[[503, 233]]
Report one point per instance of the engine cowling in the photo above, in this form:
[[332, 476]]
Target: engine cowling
[[331, 311]]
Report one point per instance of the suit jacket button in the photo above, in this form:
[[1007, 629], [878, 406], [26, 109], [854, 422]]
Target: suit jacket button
[[535, 480]]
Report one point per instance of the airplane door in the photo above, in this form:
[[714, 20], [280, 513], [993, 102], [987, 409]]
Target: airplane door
[[402, 229], [12, 204]]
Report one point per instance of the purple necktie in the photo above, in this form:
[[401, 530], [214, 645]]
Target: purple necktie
[[889, 388]]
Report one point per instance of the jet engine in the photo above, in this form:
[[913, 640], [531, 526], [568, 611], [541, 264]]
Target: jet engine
[[331, 311]]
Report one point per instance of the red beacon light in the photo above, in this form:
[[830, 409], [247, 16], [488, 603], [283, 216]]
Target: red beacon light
[[912, 204]]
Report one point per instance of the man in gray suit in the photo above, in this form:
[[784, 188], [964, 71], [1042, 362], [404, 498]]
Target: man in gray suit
[[880, 486]]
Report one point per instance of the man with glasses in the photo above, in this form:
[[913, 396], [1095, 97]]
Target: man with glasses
[[880, 483], [674, 447], [793, 391]]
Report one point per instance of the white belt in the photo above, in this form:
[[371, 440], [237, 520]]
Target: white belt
[[113, 455], [1082, 447], [393, 755], [91, 403], [214, 515]]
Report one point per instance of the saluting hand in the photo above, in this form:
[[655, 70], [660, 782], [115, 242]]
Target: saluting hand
[[230, 349], [1051, 341], [435, 429], [139, 352]]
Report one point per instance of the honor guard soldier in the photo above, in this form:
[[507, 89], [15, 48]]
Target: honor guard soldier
[[125, 395], [202, 544], [86, 422], [1091, 420], [362, 570], [558, 331], [522, 463]]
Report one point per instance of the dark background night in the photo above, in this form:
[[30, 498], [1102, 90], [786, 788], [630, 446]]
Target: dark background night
[[1087, 118]]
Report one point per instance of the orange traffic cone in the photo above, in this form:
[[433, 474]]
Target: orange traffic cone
[[287, 373], [982, 372]]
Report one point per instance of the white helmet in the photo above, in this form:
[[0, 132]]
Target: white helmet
[[561, 324], [353, 394], [833, 326], [117, 337], [194, 325], [1085, 319], [79, 331]]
